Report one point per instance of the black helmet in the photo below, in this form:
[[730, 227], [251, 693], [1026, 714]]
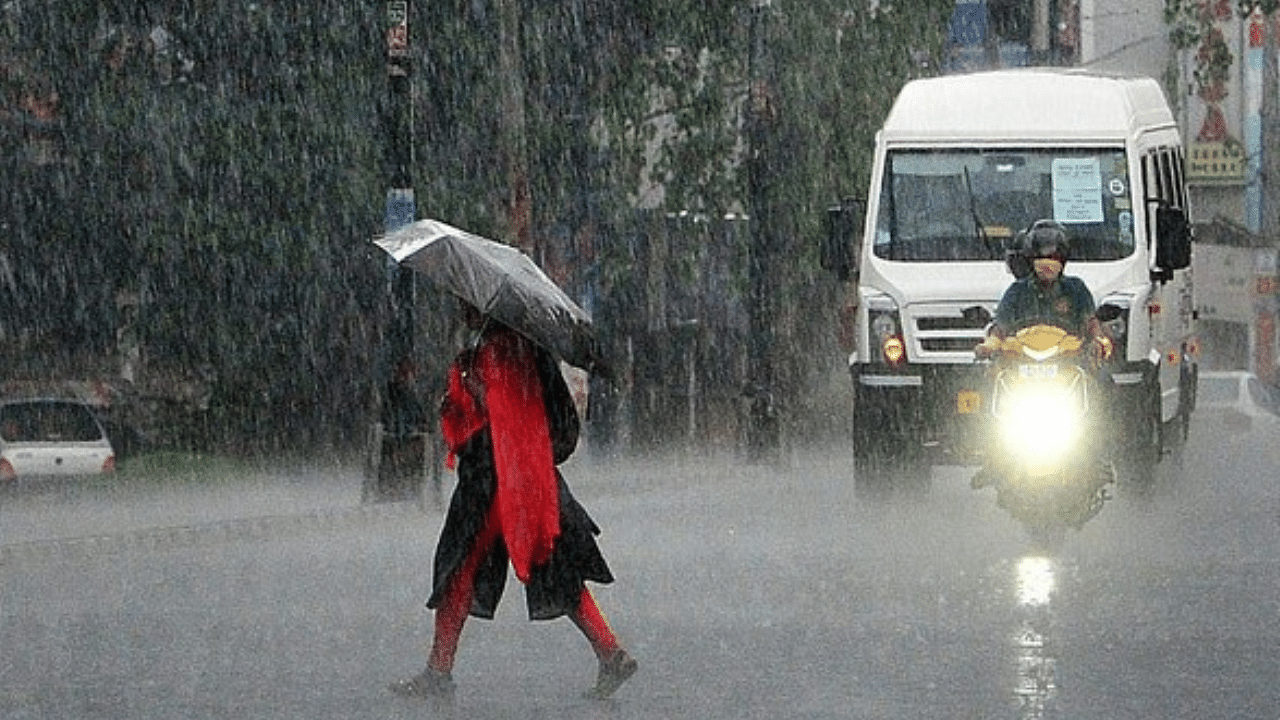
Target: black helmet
[[1016, 258], [1048, 239]]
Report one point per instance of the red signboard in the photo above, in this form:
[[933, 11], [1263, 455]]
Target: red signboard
[[398, 32]]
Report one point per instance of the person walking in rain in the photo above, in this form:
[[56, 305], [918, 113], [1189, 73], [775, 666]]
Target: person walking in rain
[[508, 419]]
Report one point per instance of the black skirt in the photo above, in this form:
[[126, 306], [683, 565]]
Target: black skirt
[[554, 587]]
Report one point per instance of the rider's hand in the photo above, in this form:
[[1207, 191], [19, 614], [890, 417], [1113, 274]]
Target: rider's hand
[[986, 348], [1100, 348]]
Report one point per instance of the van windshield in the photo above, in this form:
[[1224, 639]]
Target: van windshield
[[970, 204]]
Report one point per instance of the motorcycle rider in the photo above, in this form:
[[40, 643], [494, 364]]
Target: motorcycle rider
[[1047, 295], [1043, 295]]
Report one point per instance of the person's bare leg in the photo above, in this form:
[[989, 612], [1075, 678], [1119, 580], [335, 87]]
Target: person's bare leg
[[616, 665]]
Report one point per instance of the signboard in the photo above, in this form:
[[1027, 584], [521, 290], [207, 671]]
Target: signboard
[[1216, 107], [401, 209], [1215, 163], [398, 30], [1077, 190], [1225, 282]]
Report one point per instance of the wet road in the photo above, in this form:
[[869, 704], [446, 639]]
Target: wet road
[[745, 592]]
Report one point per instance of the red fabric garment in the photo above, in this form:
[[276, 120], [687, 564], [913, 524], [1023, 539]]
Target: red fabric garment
[[461, 414], [513, 406]]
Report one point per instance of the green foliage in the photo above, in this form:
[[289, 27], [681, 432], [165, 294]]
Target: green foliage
[[179, 468], [230, 181], [1246, 7], [1185, 21], [230, 174]]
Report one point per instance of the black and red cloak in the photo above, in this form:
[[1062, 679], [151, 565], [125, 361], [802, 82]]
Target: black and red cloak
[[508, 419]]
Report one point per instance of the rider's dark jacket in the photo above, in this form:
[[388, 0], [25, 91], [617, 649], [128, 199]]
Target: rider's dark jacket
[[1065, 303]]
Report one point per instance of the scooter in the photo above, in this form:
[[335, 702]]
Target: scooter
[[1045, 457]]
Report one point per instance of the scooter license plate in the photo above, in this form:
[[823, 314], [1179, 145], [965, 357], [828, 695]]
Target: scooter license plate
[[968, 402], [1046, 371]]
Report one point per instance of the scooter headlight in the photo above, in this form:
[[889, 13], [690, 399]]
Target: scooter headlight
[[1041, 422]]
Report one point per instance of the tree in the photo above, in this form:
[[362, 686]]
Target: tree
[[226, 157]]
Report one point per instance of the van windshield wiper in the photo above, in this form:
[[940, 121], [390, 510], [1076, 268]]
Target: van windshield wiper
[[980, 228]]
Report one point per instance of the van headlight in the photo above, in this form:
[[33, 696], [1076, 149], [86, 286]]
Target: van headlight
[[884, 331]]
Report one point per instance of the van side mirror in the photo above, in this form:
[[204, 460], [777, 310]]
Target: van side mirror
[[844, 233], [1108, 312], [1173, 242]]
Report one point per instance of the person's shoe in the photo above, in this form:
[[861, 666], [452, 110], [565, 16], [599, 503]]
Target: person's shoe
[[613, 672], [429, 683]]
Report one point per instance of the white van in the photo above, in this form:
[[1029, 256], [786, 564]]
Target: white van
[[962, 164]]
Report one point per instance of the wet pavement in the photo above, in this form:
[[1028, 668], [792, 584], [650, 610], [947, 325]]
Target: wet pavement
[[47, 509], [745, 591]]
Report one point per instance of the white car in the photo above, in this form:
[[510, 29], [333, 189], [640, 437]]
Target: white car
[[48, 436], [1236, 400]]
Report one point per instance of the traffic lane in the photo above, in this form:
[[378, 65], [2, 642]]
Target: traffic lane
[[289, 621], [1173, 607], [777, 593], [744, 592], [942, 605]]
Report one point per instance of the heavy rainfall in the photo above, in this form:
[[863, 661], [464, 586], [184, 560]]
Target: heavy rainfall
[[187, 248]]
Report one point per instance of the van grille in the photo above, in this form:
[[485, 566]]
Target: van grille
[[949, 345], [944, 332]]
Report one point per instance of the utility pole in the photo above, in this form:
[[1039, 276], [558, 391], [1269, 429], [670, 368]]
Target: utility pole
[[511, 127], [763, 437], [400, 207], [1264, 360], [384, 479], [1270, 111]]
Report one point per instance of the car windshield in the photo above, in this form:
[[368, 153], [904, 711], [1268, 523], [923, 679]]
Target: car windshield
[[967, 205], [48, 422]]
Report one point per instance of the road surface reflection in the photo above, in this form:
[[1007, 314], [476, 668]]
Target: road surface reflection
[[1034, 655]]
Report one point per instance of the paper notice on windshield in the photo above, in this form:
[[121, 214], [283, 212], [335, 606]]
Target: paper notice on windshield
[[1077, 190]]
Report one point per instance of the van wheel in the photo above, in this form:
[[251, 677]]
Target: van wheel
[[880, 478], [885, 460], [869, 479], [1137, 464], [869, 472], [887, 456]]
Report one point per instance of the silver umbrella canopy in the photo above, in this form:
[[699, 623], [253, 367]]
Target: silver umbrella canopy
[[502, 282]]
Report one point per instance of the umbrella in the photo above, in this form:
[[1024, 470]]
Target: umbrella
[[502, 282]]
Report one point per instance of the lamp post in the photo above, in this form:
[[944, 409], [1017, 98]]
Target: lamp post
[[388, 476], [512, 128]]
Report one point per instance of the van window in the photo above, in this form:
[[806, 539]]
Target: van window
[[1179, 179], [1168, 191], [969, 204], [1163, 177]]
